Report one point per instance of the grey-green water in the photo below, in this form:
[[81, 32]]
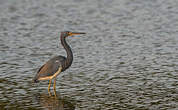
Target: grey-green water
[[127, 60]]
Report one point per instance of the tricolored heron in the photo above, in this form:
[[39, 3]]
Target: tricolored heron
[[51, 69]]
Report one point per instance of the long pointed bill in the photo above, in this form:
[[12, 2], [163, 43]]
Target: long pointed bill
[[76, 33]]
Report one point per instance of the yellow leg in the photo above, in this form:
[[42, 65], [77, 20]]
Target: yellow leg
[[49, 87], [55, 94], [54, 86]]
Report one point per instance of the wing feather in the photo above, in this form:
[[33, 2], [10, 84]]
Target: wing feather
[[50, 67]]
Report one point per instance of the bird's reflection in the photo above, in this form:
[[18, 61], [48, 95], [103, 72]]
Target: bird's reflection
[[53, 102]]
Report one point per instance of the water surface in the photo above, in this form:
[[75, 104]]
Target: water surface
[[127, 60]]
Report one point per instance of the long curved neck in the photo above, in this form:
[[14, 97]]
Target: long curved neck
[[69, 59]]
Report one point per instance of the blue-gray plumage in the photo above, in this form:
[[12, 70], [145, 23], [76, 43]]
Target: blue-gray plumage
[[50, 68], [57, 64]]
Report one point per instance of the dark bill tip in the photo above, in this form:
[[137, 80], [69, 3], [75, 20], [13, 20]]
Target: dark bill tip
[[78, 32]]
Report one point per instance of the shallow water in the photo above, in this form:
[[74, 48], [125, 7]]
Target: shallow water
[[127, 60]]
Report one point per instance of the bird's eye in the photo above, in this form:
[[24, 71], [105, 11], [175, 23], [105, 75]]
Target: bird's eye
[[69, 33]]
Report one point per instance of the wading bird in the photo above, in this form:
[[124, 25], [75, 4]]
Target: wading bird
[[51, 69]]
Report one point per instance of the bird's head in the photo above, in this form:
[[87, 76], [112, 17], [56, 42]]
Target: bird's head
[[68, 33]]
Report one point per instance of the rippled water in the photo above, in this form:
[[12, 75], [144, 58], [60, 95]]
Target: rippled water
[[127, 60]]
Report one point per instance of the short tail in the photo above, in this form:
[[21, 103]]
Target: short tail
[[35, 80]]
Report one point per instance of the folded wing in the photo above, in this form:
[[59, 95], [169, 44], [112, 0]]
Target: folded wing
[[49, 68]]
